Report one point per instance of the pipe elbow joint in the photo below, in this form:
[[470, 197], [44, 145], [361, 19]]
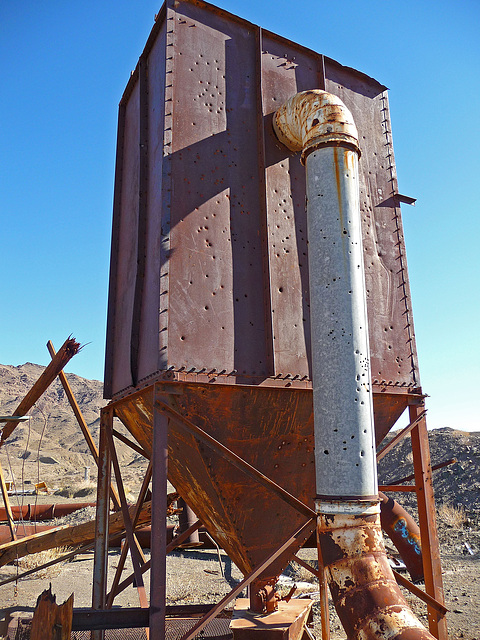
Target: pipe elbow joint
[[315, 118]]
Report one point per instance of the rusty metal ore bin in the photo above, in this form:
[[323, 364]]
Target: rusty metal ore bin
[[209, 301], [209, 275]]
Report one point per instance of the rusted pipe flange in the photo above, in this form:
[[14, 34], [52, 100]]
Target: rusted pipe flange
[[366, 596], [315, 118]]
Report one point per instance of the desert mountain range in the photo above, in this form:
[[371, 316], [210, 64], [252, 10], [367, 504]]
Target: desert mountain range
[[50, 446]]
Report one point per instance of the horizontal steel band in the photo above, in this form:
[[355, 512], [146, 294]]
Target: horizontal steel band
[[334, 141], [360, 507]]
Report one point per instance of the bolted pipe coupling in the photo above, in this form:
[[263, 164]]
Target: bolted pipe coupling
[[315, 118]]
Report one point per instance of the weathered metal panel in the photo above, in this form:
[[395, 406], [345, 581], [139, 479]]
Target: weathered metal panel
[[272, 429], [392, 346], [284, 71], [114, 257], [216, 269], [149, 344], [127, 220]]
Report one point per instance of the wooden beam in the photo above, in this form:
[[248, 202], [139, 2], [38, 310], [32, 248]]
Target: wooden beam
[[81, 421], [66, 352], [68, 536]]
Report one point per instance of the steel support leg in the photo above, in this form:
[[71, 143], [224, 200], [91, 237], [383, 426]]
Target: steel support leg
[[159, 529], [99, 593], [427, 520]]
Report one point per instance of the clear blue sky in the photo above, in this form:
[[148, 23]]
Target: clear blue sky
[[63, 69]]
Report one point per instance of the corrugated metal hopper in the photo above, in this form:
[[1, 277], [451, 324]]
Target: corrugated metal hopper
[[209, 273]]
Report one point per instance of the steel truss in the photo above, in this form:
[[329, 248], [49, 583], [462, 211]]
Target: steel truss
[[103, 599]]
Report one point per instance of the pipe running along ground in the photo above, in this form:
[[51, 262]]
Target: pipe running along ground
[[366, 596]]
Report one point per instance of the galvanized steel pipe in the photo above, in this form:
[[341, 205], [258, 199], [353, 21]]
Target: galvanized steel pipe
[[342, 396], [363, 587]]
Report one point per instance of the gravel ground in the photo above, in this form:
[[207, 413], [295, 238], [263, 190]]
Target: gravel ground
[[199, 576]]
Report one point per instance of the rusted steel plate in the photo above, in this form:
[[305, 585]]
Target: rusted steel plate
[[288, 623], [272, 429], [136, 413], [125, 227], [387, 409], [216, 267], [284, 71], [393, 355]]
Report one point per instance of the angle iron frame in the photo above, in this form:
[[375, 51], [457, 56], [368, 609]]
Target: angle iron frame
[[101, 600]]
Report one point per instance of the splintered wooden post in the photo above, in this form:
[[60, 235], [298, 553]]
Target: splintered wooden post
[[68, 349], [75, 407], [50, 620], [81, 421], [6, 502]]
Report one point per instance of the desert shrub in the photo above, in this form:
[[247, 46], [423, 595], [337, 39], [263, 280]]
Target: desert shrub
[[66, 492], [77, 490], [35, 560], [451, 515], [296, 572], [86, 490]]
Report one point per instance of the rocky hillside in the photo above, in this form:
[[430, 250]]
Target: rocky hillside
[[51, 447], [458, 484]]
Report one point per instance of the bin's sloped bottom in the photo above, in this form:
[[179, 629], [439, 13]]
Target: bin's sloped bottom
[[270, 428]]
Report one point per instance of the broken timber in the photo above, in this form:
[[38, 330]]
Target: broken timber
[[52, 621], [81, 421], [68, 535], [66, 352]]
